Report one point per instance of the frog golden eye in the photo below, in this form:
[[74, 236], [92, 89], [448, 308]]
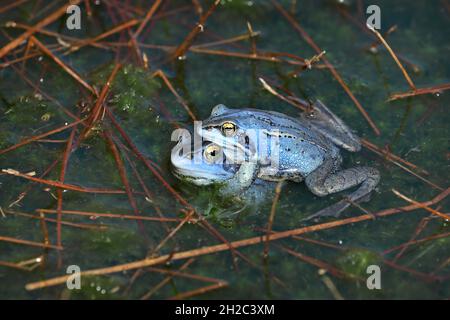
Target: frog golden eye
[[212, 152], [228, 129]]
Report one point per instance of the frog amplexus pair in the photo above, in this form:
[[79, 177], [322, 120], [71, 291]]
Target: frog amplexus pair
[[307, 149]]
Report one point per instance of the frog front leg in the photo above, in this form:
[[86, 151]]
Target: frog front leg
[[323, 181], [242, 180]]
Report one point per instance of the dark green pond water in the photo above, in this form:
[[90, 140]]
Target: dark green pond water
[[416, 129]]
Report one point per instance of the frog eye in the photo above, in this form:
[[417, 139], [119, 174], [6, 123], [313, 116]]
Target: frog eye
[[212, 152], [228, 129]]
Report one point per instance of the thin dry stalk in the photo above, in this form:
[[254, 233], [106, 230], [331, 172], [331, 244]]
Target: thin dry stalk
[[29, 187], [77, 46], [58, 184], [45, 230], [165, 281], [420, 91], [252, 38], [226, 41], [45, 95], [122, 171], [59, 62], [394, 56], [236, 244], [162, 75], [382, 153], [315, 262], [418, 241], [62, 176], [173, 232], [271, 57], [435, 212], [29, 243], [147, 18], [331, 286], [95, 215], [418, 274], [198, 7], [330, 67], [184, 46], [12, 5], [421, 226], [272, 216], [63, 222], [12, 265], [184, 275], [389, 155], [281, 97], [40, 136], [97, 110], [49, 19], [146, 161], [199, 291]]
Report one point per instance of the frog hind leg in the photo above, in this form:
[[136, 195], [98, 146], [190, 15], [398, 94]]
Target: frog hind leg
[[332, 127], [322, 182]]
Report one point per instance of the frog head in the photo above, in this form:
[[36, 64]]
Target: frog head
[[202, 166], [230, 129]]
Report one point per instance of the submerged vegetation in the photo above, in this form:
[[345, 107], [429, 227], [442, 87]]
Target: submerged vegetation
[[86, 118]]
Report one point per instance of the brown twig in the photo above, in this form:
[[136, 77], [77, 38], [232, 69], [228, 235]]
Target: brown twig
[[435, 212], [97, 110], [418, 241], [173, 232], [199, 291], [270, 57], [146, 161], [281, 97], [272, 216], [420, 91], [63, 222], [147, 18], [122, 171], [421, 226], [162, 75], [114, 215], [394, 56], [59, 62], [62, 176], [78, 45], [29, 243], [389, 155], [166, 280], [226, 41], [39, 137], [333, 71], [184, 46], [240, 243], [316, 262], [12, 5], [49, 19], [58, 184], [12, 265]]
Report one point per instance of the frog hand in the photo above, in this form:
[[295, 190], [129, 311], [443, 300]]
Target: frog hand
[[242, 180]]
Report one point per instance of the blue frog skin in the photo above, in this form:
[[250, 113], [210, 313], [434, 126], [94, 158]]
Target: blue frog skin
[[307, 149]]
